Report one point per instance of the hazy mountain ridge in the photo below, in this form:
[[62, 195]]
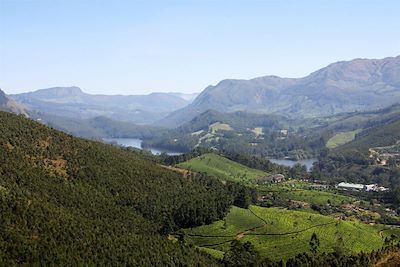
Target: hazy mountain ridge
[[73, 102], [96, 127], [360, 84], [7, 104]]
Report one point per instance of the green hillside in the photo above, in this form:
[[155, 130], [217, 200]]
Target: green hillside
[[279, 233], [222, 168], [383, 135], [342, 138], [68, 201]]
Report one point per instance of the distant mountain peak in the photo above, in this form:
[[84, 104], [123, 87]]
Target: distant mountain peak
[[60, 91], [344, 86]]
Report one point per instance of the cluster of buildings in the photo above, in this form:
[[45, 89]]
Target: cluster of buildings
[[362, 187]]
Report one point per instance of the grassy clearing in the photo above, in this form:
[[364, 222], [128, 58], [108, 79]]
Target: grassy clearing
[[258, 131], [279, 233], [223, 168], [219, 126], [342, 138]]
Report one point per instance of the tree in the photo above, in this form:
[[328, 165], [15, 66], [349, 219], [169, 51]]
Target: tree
[[314, 243], [241, 254]]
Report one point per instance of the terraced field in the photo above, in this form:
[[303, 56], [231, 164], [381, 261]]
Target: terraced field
[[223, 168], [280, 233]]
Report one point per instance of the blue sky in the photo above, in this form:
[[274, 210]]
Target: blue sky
[[135, 47]]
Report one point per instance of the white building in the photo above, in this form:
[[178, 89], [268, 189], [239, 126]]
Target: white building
[[362, 187], [351, 186]]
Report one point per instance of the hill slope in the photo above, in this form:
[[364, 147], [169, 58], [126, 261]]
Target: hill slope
[[68, 201], [222, 168], [360, 84]]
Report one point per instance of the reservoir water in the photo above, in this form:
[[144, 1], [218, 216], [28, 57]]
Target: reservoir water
[[137, 143]]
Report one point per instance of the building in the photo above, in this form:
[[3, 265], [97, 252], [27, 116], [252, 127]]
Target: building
[[362, 187], [350, 186], [375, 188]]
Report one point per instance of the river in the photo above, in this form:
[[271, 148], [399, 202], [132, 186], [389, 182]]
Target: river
[[137, 143]]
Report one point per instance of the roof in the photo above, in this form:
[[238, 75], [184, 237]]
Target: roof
[[350, 185]]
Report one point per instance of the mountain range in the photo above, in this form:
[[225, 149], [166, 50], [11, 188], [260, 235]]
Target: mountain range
[[346, 86], [73, 102]]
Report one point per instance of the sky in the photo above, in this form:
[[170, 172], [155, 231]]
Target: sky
[[143, 46]]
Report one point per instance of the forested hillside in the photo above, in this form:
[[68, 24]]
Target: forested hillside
[[360, 160], [65, 200]]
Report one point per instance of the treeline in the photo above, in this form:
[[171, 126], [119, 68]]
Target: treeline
[[68, 201]]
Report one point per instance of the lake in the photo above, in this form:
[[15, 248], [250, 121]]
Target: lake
[[291, 163], [137, 143]]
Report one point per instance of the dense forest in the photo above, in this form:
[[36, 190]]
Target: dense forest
[[66, 200]]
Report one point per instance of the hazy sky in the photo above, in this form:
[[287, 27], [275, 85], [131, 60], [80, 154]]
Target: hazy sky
[[134, 47]]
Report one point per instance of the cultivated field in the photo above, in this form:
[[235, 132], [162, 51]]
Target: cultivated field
[[280, 233]]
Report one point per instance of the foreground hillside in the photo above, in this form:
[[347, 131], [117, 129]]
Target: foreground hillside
[[65, 200]]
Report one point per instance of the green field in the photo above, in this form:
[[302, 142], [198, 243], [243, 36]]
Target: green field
[[280, 233], [342, 138], [222, 168]]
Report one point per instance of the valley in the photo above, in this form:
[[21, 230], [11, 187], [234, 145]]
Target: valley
[[200, 133], [218, 187]]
